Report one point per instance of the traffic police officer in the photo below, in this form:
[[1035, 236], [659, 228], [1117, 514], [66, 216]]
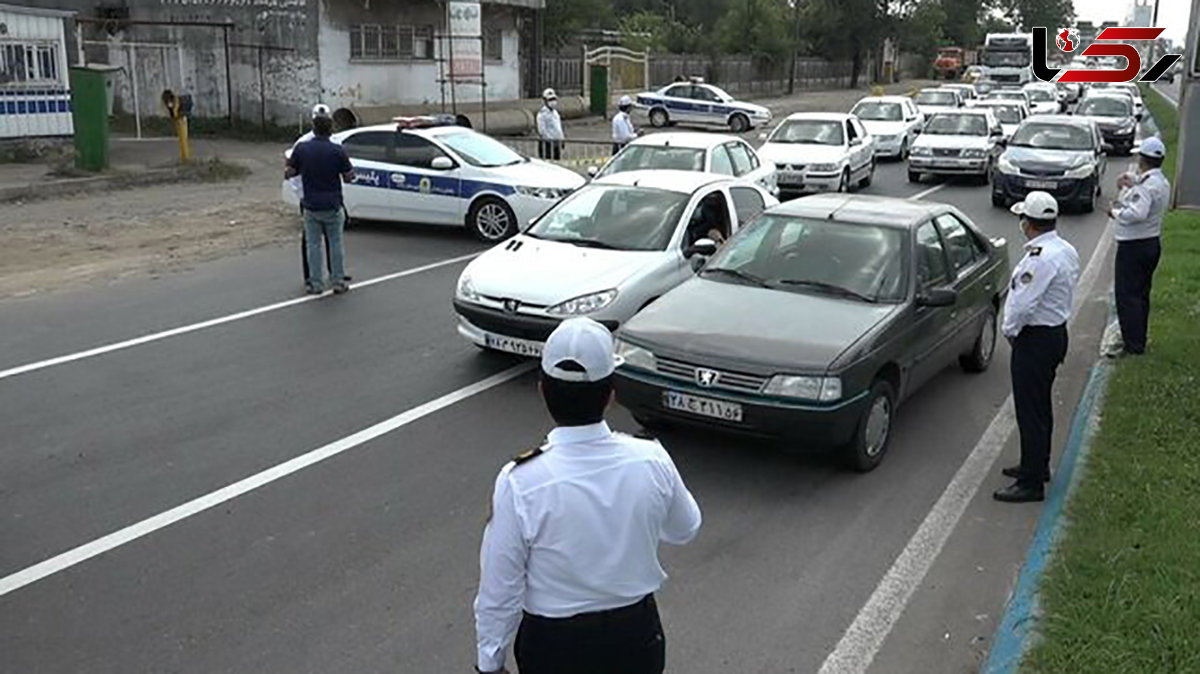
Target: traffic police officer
[[569, 561], [622, 124], [1035, 322], [550, 128], [1138, 214]]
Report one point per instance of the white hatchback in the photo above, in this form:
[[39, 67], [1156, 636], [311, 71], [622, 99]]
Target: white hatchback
[[820, 152], [689, 151], [893, 121]]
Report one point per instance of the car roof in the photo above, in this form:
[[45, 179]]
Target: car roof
[[965, 111], [1061, 120], [825, 116], [924, 89], [687, 139], [671, 180], [884, 99], [426, 131], [863, 209]]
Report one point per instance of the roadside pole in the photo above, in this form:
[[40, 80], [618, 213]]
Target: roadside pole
[[1187, 162]]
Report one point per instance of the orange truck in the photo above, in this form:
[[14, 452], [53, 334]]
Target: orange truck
[[949, 62]]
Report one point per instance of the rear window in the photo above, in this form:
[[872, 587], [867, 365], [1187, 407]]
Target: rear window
[[640, 157]]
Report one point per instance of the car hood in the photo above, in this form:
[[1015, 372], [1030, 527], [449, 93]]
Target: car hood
[[932, 109], [544, 273], [797, 153], [1043, 159], [882, 128], [759, 329], [537, 173], [1009, 129], [957, 142]]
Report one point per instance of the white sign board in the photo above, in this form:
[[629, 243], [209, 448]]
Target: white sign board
[[466, 43]]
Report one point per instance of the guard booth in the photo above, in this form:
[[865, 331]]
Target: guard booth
[[35, 94]]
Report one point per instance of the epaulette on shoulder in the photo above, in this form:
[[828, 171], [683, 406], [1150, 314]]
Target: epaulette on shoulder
[[1035, 251], [526, 456]]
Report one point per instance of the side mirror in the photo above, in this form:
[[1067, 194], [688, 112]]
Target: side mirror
[[999, 242], [937, 297], [592, 171], [703, 248], [441, 164]]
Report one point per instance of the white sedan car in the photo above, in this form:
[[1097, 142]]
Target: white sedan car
[[957, 143], [418, 170], [893, 121], [605, 252], [1043, 98], [820, 152], [932, 100], [695, 102], [1010, 112], [687, 151]]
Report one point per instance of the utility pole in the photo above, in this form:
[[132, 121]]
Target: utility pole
[[791, 89], [1187, 160]]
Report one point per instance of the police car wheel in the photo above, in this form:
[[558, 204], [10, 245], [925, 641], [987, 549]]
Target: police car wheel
[[874, 432], [980, 356], [739, 124], [659, 118], [491, 220]]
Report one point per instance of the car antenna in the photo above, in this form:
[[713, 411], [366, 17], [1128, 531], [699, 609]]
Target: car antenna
[[837, 208]]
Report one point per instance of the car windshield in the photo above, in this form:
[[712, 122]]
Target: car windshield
[[825, 257], [479, 150], [876, 111], [1105, 107], [809, 131], [1052, 136], [618, 217], [984, 87], [957, 125], [1041, 95], [1006, 58], [936, 98], [638, 157], [1007, 114]]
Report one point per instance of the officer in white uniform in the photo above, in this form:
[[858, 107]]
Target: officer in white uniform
[[623, 131], [1138, 216], [550, 128], [1036, 310], [569, 562]]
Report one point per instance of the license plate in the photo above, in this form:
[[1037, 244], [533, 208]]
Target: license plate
[[705, 407], [521, 347], [1041, 184], [791, 177]]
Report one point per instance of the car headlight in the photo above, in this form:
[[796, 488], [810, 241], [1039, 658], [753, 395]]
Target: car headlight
[[550, 193], [1006, 165], [635, 356], [920, 152], [466, 290], [824, 389], [823, 168], [584, 304], [1080, 171], [1127, 127], [974, 153]]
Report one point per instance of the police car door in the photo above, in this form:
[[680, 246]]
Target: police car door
[[710, 109], [370, 154], [425, 182], [678, 101]]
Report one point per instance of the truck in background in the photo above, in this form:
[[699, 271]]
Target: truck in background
[[1008, 57]]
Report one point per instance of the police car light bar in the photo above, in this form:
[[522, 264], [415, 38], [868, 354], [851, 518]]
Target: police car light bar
[[696, 80], [424, 121]]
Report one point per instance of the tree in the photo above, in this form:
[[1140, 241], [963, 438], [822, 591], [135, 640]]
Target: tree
[[845, 29], [921, 31], [962, 23], [647, 30], [564, 18], [1030, 13], [759, 28]]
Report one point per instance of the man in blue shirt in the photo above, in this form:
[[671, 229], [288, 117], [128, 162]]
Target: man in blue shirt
[[322, 166]]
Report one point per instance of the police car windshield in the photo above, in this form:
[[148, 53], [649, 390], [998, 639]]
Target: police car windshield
[[957, 125], [809, 132], [479, 150], [878, 112], [1105, 107], [1052, 137], [936, 98], [637, 157], [812, 256], [619, 217]]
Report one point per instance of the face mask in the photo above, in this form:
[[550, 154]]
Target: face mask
[[624, 108], [553, 105]]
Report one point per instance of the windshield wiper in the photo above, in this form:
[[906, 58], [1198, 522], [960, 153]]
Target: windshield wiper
[[830, 287], [738, 273], [588, 243]]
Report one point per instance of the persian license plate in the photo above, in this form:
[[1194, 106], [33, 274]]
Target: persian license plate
[[521, 347], [791, 177], [705, 407], [1041, 184]]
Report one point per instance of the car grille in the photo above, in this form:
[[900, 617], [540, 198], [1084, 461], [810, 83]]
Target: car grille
[[732, 381], [792, 167], [946, 152]]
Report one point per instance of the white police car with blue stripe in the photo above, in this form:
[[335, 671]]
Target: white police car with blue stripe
[[426, 171], [695, 102]]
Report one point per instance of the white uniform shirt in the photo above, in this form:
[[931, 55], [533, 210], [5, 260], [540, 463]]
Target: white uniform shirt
[[622, 128], [1140, 209], [1043, 285], [549, 124], [576, 530]]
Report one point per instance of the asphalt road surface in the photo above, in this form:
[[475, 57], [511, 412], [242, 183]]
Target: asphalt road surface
[[363, 557]]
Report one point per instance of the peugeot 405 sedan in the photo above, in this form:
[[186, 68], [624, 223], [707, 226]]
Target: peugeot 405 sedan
[[606, 251], [1060, 155], [815, 321]]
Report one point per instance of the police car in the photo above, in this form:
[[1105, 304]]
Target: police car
[[428, 170], [687, 151], [695, 102]]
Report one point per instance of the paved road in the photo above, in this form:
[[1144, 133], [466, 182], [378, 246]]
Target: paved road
[[367, 561]]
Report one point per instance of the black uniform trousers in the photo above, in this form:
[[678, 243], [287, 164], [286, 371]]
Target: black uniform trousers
[[1036, 354], [626, 640], [1136, 262]]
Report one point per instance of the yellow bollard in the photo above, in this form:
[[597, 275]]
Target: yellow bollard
[[178, 108], [185, 147]]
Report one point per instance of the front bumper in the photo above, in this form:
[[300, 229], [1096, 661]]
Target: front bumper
[[812, 425], [476, 322], [1015, 187], [798, 183], [948, 165], [889, 147]]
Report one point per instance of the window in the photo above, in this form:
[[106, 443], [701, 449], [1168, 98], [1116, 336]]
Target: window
[[415, 151], [619, 216], [679, 91], [931, 258], [741, 158], [747, 202], [712, 213], [29, 63], [493, 44], [369, 145], [964, 248], [851, 133], [373, 42], [721, 163], [703, 94]]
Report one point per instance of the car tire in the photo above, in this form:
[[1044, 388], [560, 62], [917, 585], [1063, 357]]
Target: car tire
[[659, 118], [913, 176], [999, 200], [844, 183], [866, 181], [1088, 204], [491, 220], [874, 431], [903, 150], [739, 123], [980, 356]]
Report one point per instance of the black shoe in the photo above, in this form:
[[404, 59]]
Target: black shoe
[[312, 290], [1015, 472], [341, 288], [1019, 493]]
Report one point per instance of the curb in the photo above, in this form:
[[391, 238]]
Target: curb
[[72, 186], [1013, 635]]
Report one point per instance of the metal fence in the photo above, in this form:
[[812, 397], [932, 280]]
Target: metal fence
[[577, 155]]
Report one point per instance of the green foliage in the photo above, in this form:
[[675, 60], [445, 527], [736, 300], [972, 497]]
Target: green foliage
[[759, 28], [647, 30], [962, 22], [921, 31], [563, 18], [1029, 13]]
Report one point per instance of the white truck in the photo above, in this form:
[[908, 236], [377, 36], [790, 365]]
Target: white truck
[[1008, 57]]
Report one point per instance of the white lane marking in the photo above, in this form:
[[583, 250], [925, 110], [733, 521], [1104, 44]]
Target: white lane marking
[[198, 505], [931, 190], [862, 640], [202, 325]]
